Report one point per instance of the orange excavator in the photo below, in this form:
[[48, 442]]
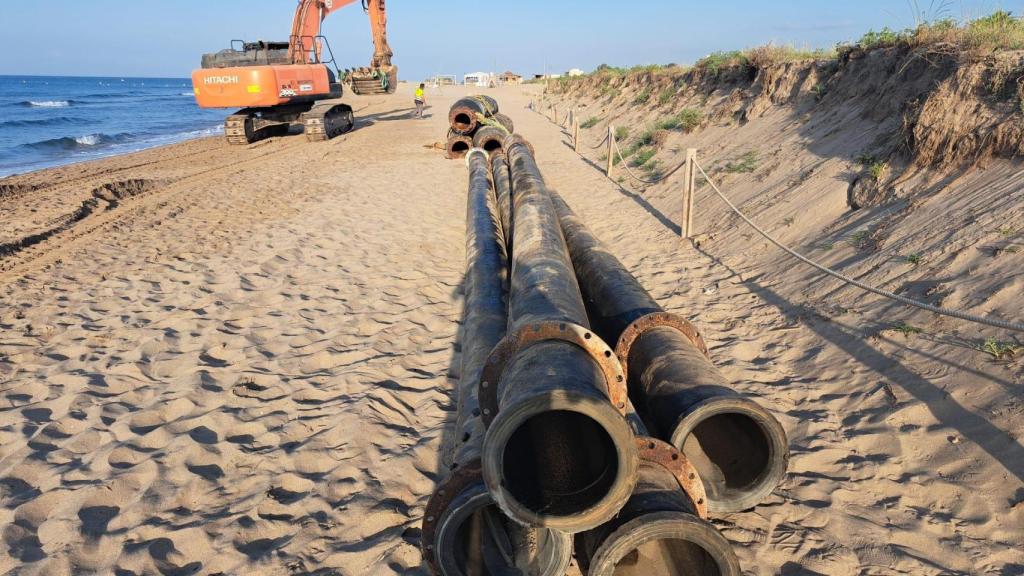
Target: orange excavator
[[277, 84]]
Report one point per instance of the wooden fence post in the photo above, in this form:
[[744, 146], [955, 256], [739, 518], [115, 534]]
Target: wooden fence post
[[689, 186], [611, 150], [576, 135]]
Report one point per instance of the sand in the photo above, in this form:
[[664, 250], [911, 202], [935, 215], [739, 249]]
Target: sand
[[236, 360]]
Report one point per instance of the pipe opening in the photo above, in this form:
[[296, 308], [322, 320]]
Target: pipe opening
[[732, 453], [491, 145], [462, 121], [476, 539], [460, 148], [559, 463], [668, 557]]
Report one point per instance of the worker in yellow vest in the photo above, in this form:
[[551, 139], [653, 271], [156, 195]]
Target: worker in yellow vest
[[421, 100]]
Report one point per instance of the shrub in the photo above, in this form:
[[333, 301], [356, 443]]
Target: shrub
[[717, 61], [997, 349], [621, 133], [591, 122], [877, 170], [690, 119], [643, 155], [1000, 30], [670, 123], [643, 97], [666, 95], [744, 164], [687, 121]]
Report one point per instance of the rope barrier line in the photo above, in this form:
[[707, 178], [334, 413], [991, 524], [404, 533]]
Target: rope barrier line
[[993, 322], [600, 144], [996, 323], [625, 165]]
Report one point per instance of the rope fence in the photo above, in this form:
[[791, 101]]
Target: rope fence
[[691, 168]]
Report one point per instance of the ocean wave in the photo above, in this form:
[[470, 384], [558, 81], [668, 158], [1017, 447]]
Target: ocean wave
[[57, 121], [46, 103], [79, 142]]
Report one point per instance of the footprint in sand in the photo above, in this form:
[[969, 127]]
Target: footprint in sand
[[259, 387]]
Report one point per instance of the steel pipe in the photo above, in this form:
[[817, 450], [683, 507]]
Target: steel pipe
[[503, 189], [464, 115], [464, 532], [663, 528], [490, 138], [738, 446], [557, 453], [657, 533], [458, 146]]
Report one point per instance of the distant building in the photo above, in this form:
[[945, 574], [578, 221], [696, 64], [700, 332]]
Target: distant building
[[575, 72], [546, 76], [443, 80], [510, 78], [481, 79]]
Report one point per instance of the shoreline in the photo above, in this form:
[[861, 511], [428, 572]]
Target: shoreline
[[216, 132]]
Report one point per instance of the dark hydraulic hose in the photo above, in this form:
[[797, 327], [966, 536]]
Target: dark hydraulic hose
[[739, 448], [557, 452]]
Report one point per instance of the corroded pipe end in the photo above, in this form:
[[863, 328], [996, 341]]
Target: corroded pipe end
[[490, 138], [462, 120], [560, 459], [665, 543], [458, 146], [474, 537], [738, 447]]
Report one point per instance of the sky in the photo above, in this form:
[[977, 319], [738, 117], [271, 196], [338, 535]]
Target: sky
[[158, 38]]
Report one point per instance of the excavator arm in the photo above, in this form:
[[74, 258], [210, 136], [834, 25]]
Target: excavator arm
[[309, 16], [379, 26]]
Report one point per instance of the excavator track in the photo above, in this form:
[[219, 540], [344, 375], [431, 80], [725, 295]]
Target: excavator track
[[242, 128], [327, 120]]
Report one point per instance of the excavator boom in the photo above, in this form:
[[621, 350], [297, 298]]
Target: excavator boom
[[309, 17]]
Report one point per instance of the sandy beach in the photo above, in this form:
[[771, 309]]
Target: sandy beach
[[239, 360]]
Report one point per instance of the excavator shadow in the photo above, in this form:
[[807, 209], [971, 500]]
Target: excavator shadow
[[388, 116]]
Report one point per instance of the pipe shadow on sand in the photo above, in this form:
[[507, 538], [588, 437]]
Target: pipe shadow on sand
[[996, 442]]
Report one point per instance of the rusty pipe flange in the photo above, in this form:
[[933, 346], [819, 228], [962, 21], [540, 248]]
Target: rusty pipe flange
[[454, 502], [462, 478], [665, 455], [656, 320], [615, 377]]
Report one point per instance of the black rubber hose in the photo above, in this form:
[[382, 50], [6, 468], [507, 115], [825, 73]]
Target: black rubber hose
[[739, 447], [557, 453], [472, 536]]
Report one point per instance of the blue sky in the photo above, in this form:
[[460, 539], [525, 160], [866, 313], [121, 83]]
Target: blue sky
[[166, 38]]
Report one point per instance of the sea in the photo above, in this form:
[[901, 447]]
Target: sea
[[52, 121]]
